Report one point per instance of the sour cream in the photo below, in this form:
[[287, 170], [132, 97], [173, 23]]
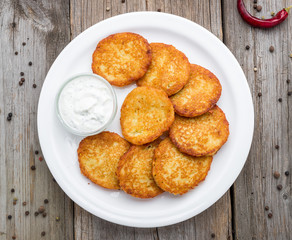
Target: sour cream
[[86, 104]]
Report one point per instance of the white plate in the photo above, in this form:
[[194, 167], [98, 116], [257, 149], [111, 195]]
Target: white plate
[[201, 47]]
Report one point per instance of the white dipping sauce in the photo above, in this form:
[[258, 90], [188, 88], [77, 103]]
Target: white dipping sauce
[[86, 104]]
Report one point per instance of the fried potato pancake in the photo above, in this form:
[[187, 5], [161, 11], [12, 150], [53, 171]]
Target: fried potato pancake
[[98, 158], [169, 69], [122, 58], [199, 95], [145, 114], [135, 171], [202, 135], [176, 172]]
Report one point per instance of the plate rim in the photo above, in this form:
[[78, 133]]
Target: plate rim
[[154, 223]]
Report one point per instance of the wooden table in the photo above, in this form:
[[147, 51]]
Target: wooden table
[[36, 31]]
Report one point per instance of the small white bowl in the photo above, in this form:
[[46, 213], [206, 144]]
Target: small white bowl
[[106, 124]]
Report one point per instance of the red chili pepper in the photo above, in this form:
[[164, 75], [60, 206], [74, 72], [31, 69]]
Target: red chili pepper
[[261, 23]]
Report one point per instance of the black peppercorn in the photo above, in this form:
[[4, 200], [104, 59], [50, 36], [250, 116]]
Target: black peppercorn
[[270, 215], [23, 44], [280, 99], [247, 47], [279, 187], [36, 213], [22, 74], [34, 85], [287, 173], [30, 63], [277, 146], [271, 49], [46, 201], [36, 152], [10, 114], [213, 235], [43, 234], [16, 53], [158, 10], [32, 167], [276, 174], [9, 217], [267, 208], [44, 214], [12, 190]]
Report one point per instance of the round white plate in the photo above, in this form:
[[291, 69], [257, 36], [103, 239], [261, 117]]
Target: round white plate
[[59, 146]]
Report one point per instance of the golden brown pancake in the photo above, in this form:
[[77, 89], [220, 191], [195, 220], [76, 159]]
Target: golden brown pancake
[[169, 69], [145, 114], [202, 135], [199, 95], [98, 157], [135, 171], [176, 172], [122, 58]]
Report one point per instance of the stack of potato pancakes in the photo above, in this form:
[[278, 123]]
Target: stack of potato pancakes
[[171, 124]]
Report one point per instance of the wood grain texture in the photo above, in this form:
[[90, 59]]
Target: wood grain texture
[[256, 187], [3, 179], [40, 32], [217, 219]]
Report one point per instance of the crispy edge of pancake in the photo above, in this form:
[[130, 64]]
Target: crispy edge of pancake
[[129, 79], [174, 135], [149, 137], [156, 47], [190, 109], [166, 153], [83, 148], [127, 159]]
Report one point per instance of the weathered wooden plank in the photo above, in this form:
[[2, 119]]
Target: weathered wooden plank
[[205, 13], [91, 12], [40, 32], [4, 191], [256, 186], [136, 5], [217, 219], [287, 182]]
